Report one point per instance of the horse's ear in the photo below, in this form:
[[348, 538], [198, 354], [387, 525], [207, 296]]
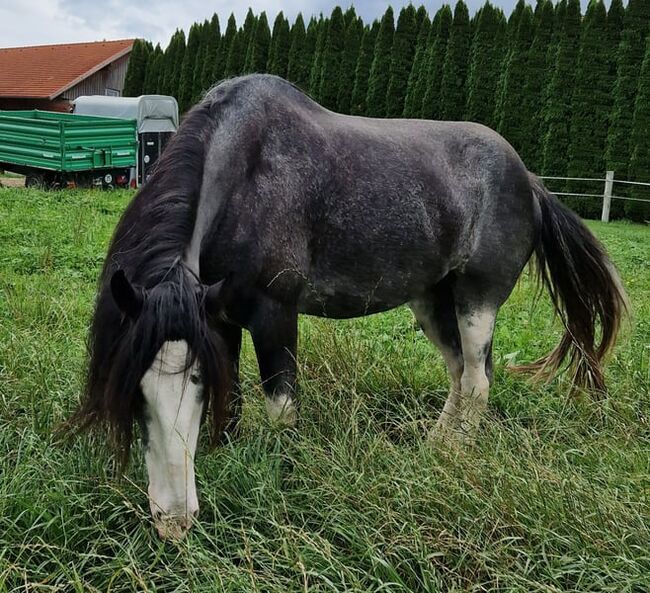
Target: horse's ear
[[217, 296], [214, 297], [127, 297]]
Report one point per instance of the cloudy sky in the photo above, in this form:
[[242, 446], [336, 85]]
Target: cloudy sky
[[35, 22]]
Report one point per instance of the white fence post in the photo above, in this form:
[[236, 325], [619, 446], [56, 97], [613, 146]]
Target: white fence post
[[607, 196]]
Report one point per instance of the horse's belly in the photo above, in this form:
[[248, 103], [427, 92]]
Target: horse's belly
[[340, 295], [344, 306]]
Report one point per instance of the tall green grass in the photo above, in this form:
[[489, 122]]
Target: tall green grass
[[554, 496]]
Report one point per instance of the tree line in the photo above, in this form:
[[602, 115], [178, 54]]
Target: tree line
[[569, 91]]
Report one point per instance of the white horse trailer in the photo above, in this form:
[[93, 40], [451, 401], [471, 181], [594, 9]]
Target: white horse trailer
[[157, 120]]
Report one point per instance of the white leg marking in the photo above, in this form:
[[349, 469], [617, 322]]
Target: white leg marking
[[476, 331], [281, 409], [173, 398], [449, 419], [450, 416]]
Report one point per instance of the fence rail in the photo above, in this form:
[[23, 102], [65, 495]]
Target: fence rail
[[594, 179], [607, 195]]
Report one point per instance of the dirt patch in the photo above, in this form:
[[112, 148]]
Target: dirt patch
[[12, 182]]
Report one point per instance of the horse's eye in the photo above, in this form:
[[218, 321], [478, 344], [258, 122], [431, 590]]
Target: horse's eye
[[195, 379]]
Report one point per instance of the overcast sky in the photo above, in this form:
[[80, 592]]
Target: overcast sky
[[36, 22]]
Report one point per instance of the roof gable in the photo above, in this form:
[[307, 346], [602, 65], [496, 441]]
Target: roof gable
[[46, 71]]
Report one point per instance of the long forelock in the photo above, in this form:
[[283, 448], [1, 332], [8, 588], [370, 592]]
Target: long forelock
[[173, 310]]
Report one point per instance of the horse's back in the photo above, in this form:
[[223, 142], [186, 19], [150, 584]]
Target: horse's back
[[361, 209]]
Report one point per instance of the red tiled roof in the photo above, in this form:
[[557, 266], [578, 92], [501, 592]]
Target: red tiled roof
[[46, 71]]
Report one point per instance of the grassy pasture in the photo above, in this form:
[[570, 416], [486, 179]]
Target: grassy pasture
[[555, 496]]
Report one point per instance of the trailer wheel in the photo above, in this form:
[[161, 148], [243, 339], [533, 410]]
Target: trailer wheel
[[35, 180]]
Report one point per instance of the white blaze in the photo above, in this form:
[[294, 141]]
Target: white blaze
[[173, 411]]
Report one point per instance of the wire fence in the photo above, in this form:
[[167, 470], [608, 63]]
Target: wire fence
[[607, 196]]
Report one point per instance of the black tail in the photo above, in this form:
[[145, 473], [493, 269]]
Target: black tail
[[585, 289]]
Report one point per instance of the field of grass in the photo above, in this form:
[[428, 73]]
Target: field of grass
[[554, 496]]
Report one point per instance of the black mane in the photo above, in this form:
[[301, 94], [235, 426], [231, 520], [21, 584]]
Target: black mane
[[148, 245], [157, 225]]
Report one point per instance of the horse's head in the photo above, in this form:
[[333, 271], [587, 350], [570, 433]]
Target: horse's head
[[167, 367]]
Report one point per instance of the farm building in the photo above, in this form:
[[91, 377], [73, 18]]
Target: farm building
[[50, 77]]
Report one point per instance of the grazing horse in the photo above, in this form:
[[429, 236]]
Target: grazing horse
[[265, 205]]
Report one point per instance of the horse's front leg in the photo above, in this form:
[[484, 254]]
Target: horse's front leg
[[274, 329], [232, 335]]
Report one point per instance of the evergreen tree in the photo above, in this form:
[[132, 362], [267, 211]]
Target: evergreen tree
[[380, 68], [238, 50], [317, 62], [149, 49], [353, 35], [197, 82], [513, 119], [537, 71], [225, 48], [414, 93], [257, 54], [308, 56], [248, 51], [512, 29], [212, 53], [172, 64], [558, 107], [280, 46], [137, 68], [362, 70], [615, 19], [167, 70], [178, 65], [453, 95], [402, 53], [297, 70], [332, 57], [431, 100], [485, 65], [421, 20], [590, 108], [640, 146], [630, 58], [513, 24], [559, 17], [152, 79], [187, 69], [248, 28]]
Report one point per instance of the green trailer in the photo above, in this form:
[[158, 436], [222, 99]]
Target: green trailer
[[62, 149]]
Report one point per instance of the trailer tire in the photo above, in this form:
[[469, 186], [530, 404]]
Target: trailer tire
[[35, 180]]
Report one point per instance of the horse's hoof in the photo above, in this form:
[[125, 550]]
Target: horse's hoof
[[173, 528], [282, 411], [447, 435]]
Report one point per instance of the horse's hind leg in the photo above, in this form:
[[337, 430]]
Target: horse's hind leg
[[478, 294], [436, 314], [476, 328]]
